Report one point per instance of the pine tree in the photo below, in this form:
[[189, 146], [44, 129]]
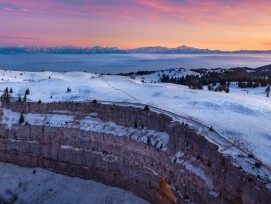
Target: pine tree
[[21, 119], [27, 92], [210, 87], [267, 90], [227, 90], [24, 99], [10, 90], [149, 141], [146, 108], [19, 99]]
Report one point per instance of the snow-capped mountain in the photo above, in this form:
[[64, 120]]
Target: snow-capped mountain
[[114, 50], [178, 50], [60, 50]]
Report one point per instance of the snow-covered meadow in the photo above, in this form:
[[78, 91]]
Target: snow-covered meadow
[[242, 116]]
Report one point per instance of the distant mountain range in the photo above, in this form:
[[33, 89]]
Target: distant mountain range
[[113, 50]]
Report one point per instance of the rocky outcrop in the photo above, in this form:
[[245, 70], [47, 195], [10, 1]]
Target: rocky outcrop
[[191, 169]]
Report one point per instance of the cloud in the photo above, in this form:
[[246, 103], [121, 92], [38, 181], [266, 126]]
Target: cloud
[[17, 36], [205, 12], [8, 9], [212, 11], [220, 42], [266, 43], [27, 11]]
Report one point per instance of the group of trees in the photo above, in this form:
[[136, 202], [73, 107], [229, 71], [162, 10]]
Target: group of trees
[[27, 92], [254, 83], [189, 80], [221, 87], [221, 78], [6, 96]]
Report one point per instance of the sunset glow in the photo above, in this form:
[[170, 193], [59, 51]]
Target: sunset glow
[[225, 25]]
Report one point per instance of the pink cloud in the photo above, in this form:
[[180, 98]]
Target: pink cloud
[[8, 9], [16, 36], [27, 11], [200, 12]]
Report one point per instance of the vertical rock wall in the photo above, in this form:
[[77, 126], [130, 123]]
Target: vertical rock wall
[[192, 166]]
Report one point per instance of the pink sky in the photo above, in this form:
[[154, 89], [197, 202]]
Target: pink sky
[[226, 25]]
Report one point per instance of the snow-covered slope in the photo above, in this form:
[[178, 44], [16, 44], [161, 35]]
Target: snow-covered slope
[[26, 185], [243, 117]]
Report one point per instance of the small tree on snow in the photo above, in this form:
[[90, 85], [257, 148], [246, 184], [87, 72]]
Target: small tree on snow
[[19, 99], [27, 92], [21, 119], [149, 141], [146, 108], [24, 99], [227, 90], [68, 90], [267, 90]]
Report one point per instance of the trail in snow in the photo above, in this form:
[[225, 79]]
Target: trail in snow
[[118, 89]]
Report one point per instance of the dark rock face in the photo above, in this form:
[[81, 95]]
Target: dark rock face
[[193, 167]]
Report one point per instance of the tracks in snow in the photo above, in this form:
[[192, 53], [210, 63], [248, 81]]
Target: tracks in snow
[[117, 89]]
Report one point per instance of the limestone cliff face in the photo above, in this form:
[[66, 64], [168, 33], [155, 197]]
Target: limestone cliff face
[[191, 168]]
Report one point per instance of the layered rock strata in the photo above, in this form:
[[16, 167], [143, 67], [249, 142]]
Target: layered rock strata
[[146, 152]]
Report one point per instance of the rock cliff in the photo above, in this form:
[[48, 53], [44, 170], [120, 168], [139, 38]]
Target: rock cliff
[[146, 152]]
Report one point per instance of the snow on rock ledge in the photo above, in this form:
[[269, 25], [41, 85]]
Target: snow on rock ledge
[[89, 123]]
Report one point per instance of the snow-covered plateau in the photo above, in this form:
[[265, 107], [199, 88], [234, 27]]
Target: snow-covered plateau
[[242, 116]]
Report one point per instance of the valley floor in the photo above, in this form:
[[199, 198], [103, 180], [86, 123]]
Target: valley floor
[[36, 185]]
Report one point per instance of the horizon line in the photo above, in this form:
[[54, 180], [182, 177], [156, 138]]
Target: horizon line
[[123, 49]]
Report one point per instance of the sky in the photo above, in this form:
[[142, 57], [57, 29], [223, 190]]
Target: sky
[[220, 24]]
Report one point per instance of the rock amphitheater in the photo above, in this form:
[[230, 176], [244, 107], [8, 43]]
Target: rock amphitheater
[[147, 152]]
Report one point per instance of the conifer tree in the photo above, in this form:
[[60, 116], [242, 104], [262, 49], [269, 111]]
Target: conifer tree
[[19, 99], [21, 119], [27, 92]]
